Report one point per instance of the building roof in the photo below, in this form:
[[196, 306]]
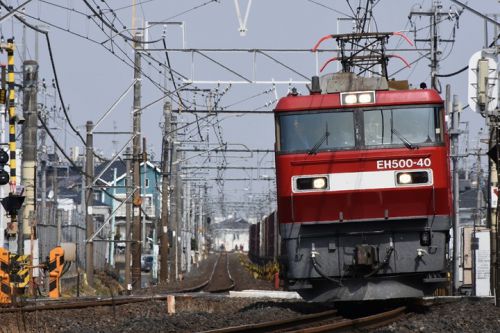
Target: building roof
[[232, 223], [468, 199], [108, 175]]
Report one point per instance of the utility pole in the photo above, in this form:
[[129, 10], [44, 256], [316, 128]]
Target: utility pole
[[30, 108], [493, 117], [165, 191], [187, 226], [55, 184], [128, 220], [112, 244], [178, 207], [454, 133], [89, 196], [43, 164], [477, 222], [136, 178], [436, 15], [143, 191]]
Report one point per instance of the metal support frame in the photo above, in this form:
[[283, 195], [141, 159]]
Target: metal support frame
[[91, 238], [265, 53]]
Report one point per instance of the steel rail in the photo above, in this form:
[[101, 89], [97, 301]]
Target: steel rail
[[79, 304], [373, 321], [231, 286], [204, 284], [277, 324], [296, 324]]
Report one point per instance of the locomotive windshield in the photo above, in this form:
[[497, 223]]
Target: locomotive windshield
[[322, 131], [312, 131], [410, 126]]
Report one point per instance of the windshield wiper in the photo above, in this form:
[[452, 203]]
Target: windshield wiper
[[407, 143], [321, 140]]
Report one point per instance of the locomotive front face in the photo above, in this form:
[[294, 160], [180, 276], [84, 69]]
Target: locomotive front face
[[363, 190]]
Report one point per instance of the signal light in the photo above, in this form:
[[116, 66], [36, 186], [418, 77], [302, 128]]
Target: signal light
[[4, 175]]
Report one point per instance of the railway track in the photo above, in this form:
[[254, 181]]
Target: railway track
[[220, 281], [328, 321]]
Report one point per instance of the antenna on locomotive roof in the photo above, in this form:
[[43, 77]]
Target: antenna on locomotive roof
[[315, 86]]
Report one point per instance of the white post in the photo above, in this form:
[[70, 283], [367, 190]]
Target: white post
[[113, 221]]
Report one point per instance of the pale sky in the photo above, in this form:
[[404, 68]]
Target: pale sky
[[92, 78]]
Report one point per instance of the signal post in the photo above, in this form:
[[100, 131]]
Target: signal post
[[13, 202], [29, 144]]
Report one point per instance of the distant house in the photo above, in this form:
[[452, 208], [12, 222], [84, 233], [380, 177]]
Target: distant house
[[230, 234], [63, 216], [116, 191], [468, 204]]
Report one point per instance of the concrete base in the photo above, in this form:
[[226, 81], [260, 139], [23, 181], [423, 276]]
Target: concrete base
[[265, 293]]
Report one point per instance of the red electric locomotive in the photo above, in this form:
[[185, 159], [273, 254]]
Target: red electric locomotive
[[363, 186]]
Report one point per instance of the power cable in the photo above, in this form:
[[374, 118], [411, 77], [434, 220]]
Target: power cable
[[332, 9], [454, 73], [73, 164], [51, 56], [63, 7], [111, 51], [112, 27], [466, 67], [171, 74], [95, 42], [58, 146], [140, 3], [349, 4], [191, 9]]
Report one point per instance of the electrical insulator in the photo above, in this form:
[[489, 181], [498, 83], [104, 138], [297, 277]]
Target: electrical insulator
[[4, 175], [482, 83]]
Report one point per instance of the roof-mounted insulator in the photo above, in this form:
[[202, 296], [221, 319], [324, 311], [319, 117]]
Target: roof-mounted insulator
[[315, 87], [293, 92]]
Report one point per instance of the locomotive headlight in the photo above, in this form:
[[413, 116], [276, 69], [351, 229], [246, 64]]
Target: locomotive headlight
[[350, 99], [404, 178], [365, 98], [412, 177], [319, 183], [311, 183], [360, 97]]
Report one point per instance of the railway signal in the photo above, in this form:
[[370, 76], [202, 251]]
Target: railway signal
[[12, 203], [4, 175]]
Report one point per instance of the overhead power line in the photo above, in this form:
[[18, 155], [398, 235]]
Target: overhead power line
[[51, 56], [113, 28]]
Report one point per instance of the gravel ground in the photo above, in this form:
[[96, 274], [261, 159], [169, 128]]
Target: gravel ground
[[465, 316], [195, 314]]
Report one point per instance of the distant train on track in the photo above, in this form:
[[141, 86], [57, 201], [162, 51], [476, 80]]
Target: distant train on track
[[363, 186]]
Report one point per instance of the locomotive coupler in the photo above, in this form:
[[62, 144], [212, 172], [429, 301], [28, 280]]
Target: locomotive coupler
[[365, 255]]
